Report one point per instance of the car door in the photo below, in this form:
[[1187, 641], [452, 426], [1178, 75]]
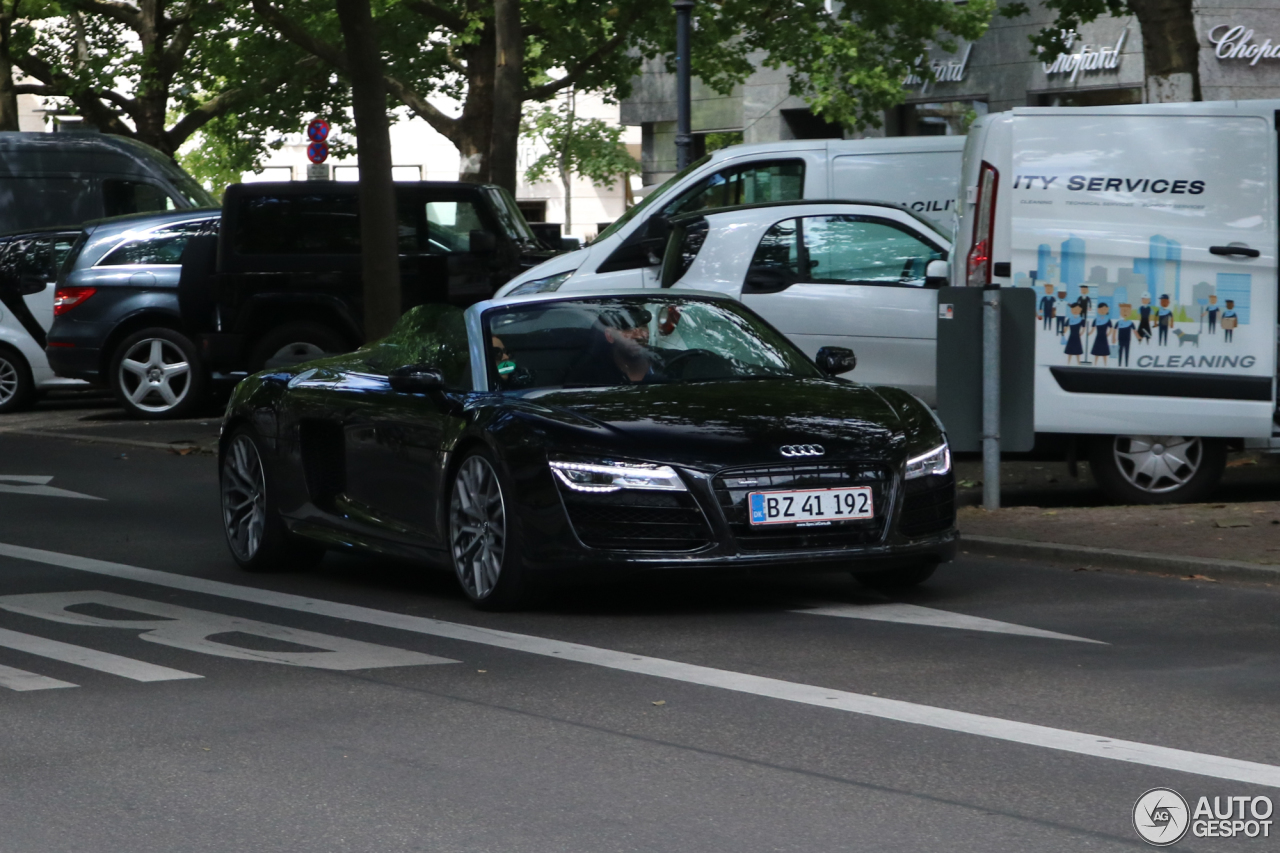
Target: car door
[[855, 280]]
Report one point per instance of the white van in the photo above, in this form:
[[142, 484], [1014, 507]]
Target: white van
[[918, 172], [1150, 236]]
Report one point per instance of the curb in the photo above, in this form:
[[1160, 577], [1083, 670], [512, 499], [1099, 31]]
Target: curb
[[104, 439], [1116, 558]]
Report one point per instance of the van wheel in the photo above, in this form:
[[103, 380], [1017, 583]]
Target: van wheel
[[287, 346], [17, 388], [157, 374], [1157, 469]]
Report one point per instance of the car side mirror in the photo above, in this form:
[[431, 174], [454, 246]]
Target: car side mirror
[[835, 360], [482, 243], [766, 280], [937, 274], [416, 379]]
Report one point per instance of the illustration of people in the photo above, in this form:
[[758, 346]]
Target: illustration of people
[[1211, 311], [1164, 320], [1084, 302], [1124, 334], [1104, 332], [1229, 321], [1144, 319], [1075, 325], [1047, 303], [1060, 311]]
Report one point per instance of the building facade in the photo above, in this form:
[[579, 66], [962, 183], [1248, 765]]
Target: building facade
[[1239, 59]]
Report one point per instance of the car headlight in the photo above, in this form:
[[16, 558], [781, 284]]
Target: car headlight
[[541, 285], [605, 476], [936, 461]]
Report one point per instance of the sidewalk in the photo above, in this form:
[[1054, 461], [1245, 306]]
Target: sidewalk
[[95, 417]]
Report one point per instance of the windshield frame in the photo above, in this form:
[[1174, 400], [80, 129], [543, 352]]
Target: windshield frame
[[800, 365], [663, 189]]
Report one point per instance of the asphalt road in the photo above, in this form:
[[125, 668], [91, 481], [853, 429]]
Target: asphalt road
[[154, 698]]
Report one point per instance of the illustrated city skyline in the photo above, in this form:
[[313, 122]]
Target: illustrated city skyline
[[1158, 273]]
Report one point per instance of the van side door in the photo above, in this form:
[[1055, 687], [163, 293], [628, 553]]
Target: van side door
[[854, 280]]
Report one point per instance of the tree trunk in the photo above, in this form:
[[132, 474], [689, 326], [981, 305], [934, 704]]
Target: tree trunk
[[508, 91], [380, 258], [8, 97], [475, 125], [1170, 49]]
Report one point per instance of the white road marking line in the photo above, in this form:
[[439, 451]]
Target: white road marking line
[[20, 679], [912, 614], [36, 484], [1012, 731], [91, 658]]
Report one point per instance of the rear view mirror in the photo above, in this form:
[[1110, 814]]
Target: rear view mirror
[[937, 274], [482, 243], [835, 360]]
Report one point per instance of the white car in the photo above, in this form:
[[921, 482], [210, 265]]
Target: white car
[[28, 269], [861, 275], [920, 173]]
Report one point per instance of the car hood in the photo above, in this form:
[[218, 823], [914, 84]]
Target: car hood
[[567, 262], [711, 425]]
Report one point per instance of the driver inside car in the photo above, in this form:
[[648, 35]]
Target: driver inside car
[[619, 353]]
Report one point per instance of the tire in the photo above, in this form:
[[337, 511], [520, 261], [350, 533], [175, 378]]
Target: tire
[[484, 542], [292, 344], [17, 388], [891, 579], [157, 374], [255, 533], [1161, 469]]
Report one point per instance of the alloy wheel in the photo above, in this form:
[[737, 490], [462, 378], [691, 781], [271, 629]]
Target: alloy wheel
[[477, 527], [1158, 464], [8, 380], [155, 375], [244, 497]]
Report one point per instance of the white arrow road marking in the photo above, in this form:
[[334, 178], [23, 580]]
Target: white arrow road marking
[[20, 679], [1080, 743], [27, 484], [912, 614], [80, 656]]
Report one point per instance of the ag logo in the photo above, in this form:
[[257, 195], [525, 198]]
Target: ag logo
[[1161, 817]]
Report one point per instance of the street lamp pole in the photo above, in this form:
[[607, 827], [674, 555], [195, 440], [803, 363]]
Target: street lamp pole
[[684, 96]]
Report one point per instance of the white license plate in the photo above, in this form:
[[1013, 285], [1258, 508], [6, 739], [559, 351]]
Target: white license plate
[[810, 507]]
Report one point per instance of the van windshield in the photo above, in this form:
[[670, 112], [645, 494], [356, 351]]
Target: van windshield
[[660, 192]]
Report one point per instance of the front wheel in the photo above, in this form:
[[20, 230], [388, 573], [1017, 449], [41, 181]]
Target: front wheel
[[17, 388], [1157, 469], [483, 540], [157, 375], [256, 535]]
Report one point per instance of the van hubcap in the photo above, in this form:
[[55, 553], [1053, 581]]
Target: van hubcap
[[1158, 464]]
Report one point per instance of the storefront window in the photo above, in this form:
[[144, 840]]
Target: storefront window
[[942, 118]]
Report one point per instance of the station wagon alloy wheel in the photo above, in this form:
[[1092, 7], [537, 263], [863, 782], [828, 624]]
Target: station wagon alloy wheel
[[477, 527], [155, 375], [1158, 463], [8, 380], [244, 497]]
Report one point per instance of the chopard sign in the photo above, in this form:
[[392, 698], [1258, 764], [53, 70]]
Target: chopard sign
[[950, 71], [1091, 57], [1232, 41]]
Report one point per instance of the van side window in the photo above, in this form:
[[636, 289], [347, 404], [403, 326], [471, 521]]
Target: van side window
[[749, 183], [864, 250], [120, 197], [449, 226], [163, 246], [33, 257], [316, 224]]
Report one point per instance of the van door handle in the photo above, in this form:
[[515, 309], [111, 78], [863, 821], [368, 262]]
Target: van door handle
[[1242, 251]]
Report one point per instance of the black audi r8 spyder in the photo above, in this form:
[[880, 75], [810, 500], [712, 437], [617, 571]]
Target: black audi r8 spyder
[[600, 433]]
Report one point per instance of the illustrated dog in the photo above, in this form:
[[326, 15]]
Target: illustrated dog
[[1185, 338]]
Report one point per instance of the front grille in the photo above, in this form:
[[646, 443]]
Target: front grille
[[733, 486], [929, 506], [637, 521]]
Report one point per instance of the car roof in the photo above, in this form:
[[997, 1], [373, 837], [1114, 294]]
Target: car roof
[[583, 296], [145, 221], [39, 232], [807, 202]]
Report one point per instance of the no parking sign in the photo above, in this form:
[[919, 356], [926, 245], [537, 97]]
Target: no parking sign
[[318, 132]]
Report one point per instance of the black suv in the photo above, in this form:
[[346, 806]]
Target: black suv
[[273, 280]]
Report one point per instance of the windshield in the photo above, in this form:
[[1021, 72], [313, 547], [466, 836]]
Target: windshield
[[513, 221], [661, 191], [612, 342]]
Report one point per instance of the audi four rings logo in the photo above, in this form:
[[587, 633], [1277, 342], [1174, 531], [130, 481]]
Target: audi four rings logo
[[802, 450]]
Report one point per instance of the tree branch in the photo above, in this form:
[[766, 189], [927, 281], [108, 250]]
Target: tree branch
[[546, 90], [86, 100], [215, 107], [443, 17], [296, 33], [446, 125], [125, 13]]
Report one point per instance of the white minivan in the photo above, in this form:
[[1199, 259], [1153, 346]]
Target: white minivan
[[920, 173], [1149, 234]]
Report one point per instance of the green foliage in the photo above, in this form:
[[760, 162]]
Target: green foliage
[[716, 141], [1049, 43], [588, 147]]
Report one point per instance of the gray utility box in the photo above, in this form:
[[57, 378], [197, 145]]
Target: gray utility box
[[960, 367]]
